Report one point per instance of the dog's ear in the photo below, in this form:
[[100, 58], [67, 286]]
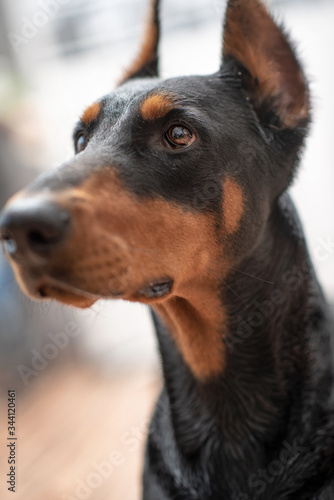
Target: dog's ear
[[271, 75], [146, 62]]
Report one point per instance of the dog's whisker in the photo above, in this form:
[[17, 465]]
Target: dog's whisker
[[252, 276], [235, 293]]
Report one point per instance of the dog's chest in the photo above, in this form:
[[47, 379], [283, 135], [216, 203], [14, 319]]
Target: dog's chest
[[294, 470]]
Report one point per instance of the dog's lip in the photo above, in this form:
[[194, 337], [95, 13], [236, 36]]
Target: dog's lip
[[51, 288]]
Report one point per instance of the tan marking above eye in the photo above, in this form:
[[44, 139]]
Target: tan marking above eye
[[232, 205], [91, 113], [157, 106]]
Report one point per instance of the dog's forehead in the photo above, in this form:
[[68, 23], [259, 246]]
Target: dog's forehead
[[124, 96], [110, 124], [133, 92]]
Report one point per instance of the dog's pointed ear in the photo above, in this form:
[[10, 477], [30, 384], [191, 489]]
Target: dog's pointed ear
[[146, 62], [260, 51]]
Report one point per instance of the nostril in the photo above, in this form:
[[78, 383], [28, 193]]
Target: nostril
[[8, 243], [37, 240], [33, 224], [42, 292], [48, 233]]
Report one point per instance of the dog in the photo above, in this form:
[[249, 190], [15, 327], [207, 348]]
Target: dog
[[176, 198]]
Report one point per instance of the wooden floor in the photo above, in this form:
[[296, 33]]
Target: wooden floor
[[81, 435]]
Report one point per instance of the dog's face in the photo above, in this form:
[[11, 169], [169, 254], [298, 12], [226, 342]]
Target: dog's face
[[173, 180]]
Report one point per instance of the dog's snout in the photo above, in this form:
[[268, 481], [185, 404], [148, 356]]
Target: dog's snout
[[33, 224]]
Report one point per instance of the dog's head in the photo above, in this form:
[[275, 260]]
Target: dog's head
[[172, 179]]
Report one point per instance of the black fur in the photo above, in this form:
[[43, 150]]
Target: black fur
[[264, 428]]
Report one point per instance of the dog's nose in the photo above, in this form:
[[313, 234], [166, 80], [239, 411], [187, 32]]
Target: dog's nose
[[34, 225]]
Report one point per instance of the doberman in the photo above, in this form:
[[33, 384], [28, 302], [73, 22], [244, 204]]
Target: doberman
[[176, 198]]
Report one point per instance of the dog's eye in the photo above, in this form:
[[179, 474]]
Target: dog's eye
[[179, 137], [80, 142]]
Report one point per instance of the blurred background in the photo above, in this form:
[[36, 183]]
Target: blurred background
[[86, 381]]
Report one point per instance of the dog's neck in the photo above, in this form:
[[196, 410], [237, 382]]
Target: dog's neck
[[263, 303]]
